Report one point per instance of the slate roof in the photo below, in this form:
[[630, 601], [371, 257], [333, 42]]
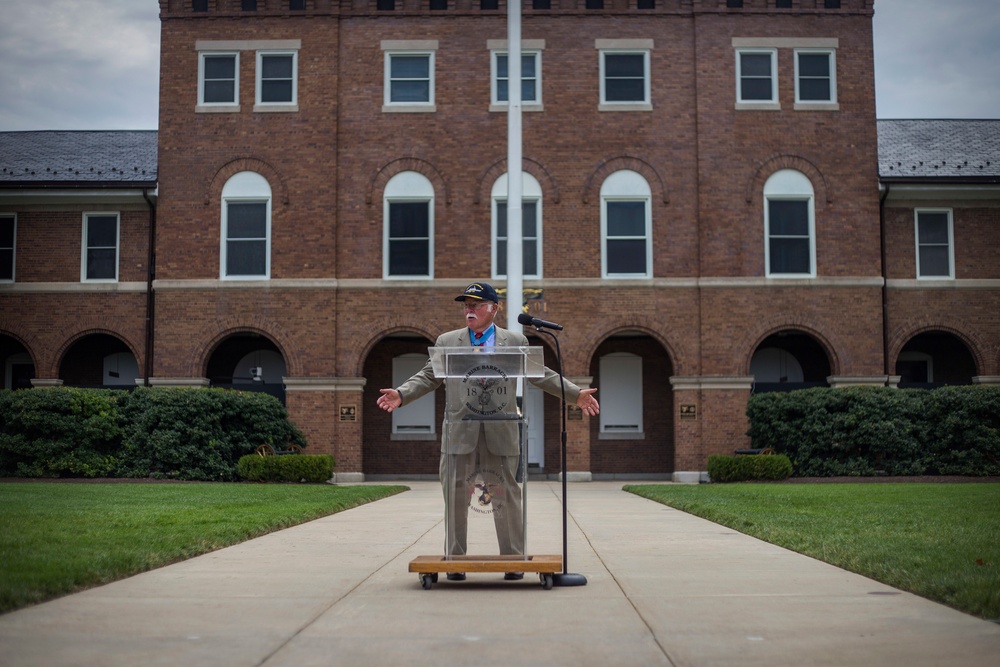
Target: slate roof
[[939, 150], [106, 158]]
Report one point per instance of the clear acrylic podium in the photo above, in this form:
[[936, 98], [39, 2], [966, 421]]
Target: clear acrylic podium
[[484, 464]]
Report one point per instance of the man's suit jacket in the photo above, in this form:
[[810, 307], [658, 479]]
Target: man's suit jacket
[[461, 437]]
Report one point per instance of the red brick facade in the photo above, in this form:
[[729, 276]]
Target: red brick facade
[[697, 321]]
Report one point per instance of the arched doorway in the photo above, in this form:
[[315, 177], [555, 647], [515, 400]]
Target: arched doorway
[[16, 364], [99, 360], [934, 359], [789, 360], [248, 361]]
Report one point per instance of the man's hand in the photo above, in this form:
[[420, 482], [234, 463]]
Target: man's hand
[[390, 399], [586, 402]]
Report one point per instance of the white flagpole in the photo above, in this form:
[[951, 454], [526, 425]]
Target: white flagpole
[[515, 185]]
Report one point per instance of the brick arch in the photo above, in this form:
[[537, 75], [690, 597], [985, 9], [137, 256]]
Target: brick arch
[[759, 333], [600, 331], [484, 189], [360, 352], [279, 189], [27, 343], [246, 324], [398, 166], [906, 331], [764, 170], [611, 165], [69, 342]]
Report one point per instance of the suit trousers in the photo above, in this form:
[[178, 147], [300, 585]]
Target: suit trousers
[[460, 474]]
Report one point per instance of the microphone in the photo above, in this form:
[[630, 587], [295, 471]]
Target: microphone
[[525, 318]]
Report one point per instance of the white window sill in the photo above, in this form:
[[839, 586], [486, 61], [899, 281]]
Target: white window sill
[[605, 106], [621, 435], [758, 106], [791, 276], [409, 108], [502, 108], [415, 437], [228, 108], [817, 106], [275, 108]]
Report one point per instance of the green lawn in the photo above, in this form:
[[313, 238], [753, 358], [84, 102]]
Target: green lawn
[[60, 538], [940, 541]]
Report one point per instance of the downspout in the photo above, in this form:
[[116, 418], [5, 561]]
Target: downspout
[[150, 297], [885, 283]]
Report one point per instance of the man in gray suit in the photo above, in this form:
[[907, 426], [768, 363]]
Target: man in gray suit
[[468, 448]]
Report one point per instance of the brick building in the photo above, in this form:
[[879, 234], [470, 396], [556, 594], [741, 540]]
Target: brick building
[[702, 204]]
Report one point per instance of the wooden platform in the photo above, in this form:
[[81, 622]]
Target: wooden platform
[[428, 567]]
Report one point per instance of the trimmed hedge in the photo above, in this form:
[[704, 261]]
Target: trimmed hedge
[[306, 468], [175, 433], [866, 431], [753, 467]]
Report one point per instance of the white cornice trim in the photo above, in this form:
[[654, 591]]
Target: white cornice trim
[[912, 284], [701, 382], [324, 384], [77, 288]]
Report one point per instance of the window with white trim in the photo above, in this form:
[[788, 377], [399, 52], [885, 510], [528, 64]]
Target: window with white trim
[[8, 241], [100, 247], [416, 418], [277, 78], [624, 77], [626, 226], [408, 241], [409, 76], [246, 228], [815, 76], [935, 244], [756, 76], [531, 78], [789, 226], [621, 384], [218, 78], [531, 223]]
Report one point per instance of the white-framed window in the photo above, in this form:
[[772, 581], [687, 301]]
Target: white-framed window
[[756, 76], [409, 75], [8, 243], [100, 247], [246, 228], [621, 414], [624, 78], [416, 418], [277, 78], [531, 224], [408, 240], [815, 76], [789, 226], [626, 226], [531, 78], [935, 243], [218, 78]]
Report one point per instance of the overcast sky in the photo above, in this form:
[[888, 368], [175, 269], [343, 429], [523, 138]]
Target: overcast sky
[[93, 64]]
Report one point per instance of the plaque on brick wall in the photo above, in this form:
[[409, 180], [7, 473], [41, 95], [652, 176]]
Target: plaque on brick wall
[[574, 413], [689, 411], [348, 413]]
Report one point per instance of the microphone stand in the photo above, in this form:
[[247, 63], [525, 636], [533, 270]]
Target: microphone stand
[[565, 578]]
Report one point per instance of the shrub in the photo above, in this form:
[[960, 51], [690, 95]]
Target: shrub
[[743, 468], [199, 434], [59, 431], [310, 468]]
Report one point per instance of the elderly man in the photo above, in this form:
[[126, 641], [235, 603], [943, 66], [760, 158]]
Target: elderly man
[[471, 447]]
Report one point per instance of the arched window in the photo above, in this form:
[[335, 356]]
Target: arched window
[[789, 226], [531, 223], [408, 236], [626, 224], [246, 228]]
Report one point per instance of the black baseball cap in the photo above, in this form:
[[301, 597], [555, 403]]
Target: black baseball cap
[[479, 292]]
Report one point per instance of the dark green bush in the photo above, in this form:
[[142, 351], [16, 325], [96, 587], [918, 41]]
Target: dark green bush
[[199, 434], [877, 430], [59, 431], [309, 468], [751, 467]]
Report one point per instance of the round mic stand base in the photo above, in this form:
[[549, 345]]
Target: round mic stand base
[[568, 579]]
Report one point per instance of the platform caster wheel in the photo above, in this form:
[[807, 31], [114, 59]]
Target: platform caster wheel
[[546, 581], [428, 580]]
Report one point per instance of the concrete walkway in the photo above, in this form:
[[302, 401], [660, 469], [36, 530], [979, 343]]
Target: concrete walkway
[[664, 588]]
